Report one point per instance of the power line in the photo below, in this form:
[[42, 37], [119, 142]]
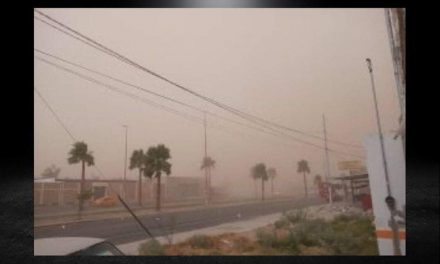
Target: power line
[[111, 54], [62, 124], [189, 117], [220, 128], [110, 87], [159, 95], [54, 114], [249, 117]]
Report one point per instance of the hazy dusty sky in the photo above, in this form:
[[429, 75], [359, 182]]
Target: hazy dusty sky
[[286, 65]]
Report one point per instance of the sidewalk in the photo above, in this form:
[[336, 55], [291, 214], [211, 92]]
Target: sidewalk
[[121, 212], [238, 226]]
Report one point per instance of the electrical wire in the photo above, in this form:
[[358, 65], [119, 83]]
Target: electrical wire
[[252, 118], [168, 109]]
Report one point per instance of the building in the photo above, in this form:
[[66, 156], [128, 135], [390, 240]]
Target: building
[[64, 192]]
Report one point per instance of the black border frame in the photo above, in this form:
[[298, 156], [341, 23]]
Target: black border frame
[[16, 200]]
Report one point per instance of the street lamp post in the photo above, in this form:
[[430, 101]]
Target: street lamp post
[[393, 223]]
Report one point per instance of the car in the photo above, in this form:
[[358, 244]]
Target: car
[[106, 201], [74, 246]]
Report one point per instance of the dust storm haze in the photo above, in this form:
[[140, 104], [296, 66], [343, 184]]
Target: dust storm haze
[[288, 66]]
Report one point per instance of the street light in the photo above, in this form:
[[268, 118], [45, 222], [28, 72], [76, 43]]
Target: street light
[[396, 245]]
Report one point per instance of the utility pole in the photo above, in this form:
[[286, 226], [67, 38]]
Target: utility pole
[[393, 222], [206, 155], [125, 162], [327, 168]]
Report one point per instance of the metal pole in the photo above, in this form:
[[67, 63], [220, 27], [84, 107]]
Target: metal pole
[[125, 162], [327, 168], [385, 165], [206, 155], [379, 126]]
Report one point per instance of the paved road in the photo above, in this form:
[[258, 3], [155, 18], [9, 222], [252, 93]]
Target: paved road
[[126, 230]]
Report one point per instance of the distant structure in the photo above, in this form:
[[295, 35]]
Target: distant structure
[[62, 192]]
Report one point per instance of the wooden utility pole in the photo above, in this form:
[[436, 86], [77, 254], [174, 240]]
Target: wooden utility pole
[[327, 168], [206, 168], [125, 163]]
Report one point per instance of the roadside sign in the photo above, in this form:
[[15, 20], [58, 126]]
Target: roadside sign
[[358, 171], [385, 218], [350, 165]]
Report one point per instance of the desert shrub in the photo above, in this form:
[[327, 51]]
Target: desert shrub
[[265, 238], [309, 232], [201, 241], [282, 223], [289, 245], [351, 235], [151, 247], [296, 216]]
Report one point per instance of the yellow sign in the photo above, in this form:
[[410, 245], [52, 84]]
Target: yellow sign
[[350, 165], [359, 171]]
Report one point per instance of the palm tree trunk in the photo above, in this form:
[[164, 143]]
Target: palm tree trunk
[[140, 188], [262, 189], [256, 191], [158, 193], [81, 188], [305, 184], [271, 186]]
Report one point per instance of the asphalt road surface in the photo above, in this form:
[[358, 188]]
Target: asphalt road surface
[[125, 230]]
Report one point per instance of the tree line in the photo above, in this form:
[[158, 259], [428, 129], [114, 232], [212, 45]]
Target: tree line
[[154, 162]]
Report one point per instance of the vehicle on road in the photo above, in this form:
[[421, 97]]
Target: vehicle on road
[[106, 201], [74, 246]]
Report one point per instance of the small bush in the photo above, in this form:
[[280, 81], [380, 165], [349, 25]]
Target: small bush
[[282, 223], [351, 235], [296, 216], [265, 238], [288, 245], [201, 241], [152, 248]]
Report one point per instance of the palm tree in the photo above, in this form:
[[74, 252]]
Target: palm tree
[[79, 153], [207, 164], [137, 161], [272, 173], [303, 167], [156, 162], [254, 177], [259, 172]]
